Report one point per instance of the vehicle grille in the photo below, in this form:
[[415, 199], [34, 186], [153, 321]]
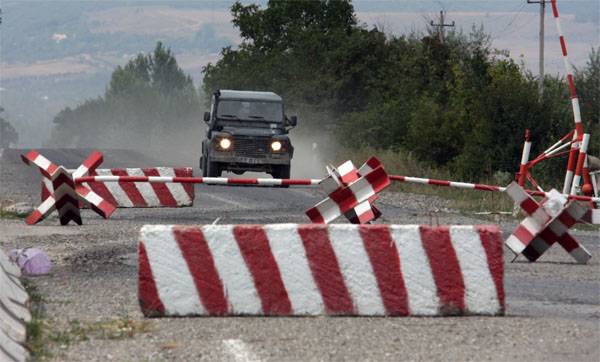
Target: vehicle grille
[[251, 147]]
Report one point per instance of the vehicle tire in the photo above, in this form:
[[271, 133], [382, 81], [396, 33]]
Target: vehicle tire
[[212, 169], [203, 166], [282, 172]]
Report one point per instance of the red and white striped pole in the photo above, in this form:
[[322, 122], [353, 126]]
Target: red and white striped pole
[[481, 187], [523, 169], [202, 180], [580, 163], [578, 136]]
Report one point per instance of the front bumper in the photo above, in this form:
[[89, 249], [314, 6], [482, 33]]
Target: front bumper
[[231, 158]]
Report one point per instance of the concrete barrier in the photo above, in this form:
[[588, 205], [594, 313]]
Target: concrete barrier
[[14, 312], [316, 269]]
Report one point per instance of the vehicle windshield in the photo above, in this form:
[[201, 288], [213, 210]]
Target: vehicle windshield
[[250, 110]]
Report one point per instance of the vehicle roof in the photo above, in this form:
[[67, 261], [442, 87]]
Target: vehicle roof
[[254, 95]]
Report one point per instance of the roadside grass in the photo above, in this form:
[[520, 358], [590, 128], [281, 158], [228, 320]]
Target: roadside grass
[[4, 214], [466, 201], [43, 332]]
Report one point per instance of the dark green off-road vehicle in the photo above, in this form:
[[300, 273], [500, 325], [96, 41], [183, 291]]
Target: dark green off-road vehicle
[[247, 131]]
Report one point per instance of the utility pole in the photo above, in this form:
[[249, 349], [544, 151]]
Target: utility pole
[[441, 26], [542, 15]]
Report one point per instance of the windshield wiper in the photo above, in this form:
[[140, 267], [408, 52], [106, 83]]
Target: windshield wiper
[[256, 117]]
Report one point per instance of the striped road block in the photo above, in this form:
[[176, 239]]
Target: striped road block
[[315, 269], [546, 222], [14, 313], [346, 198], [67, 201], [138, 194]]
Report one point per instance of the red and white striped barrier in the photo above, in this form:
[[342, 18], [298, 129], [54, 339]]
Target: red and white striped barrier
[[344, 175], [546, 223], [290, 269], [580, 163], [82, 193], [202, 180], [138, 194], [356, 197]]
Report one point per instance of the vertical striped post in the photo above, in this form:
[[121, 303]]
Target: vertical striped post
[[525, 158], [580, 163], [577, 137]]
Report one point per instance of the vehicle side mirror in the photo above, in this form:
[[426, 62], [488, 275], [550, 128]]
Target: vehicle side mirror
[[206, 117], [293, 121]]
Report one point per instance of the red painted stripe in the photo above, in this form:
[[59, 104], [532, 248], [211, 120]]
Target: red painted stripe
[[29, 157], [563, 45], [94, 160], [568, 242], [491, 240], [188, 187], [439, 182], [325, 269], [523, 234], [445, 268], [573, 91], [45, 192], [161, 190], [52, 168], [130, 189], [63, 178], [202, 267], [385, 261], [373, 162], [344, 198], [566, 218], [378, 179], [554, 9], [150, 302], [486, 187], [254, 245], [315, 216], [101, 189], [242, 181], [34, 217], [529, 205]]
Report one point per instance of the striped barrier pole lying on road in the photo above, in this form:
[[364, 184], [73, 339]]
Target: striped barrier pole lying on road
[[202, 180], [138, 194], [481, 187], [14, 313], [580, 163], [302, 270]]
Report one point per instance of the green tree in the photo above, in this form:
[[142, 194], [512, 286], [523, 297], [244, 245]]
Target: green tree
[[8, 134]]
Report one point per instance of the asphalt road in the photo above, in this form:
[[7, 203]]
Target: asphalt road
[[90, 301]]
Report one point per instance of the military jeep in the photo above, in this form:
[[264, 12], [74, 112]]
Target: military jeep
[[247, 131]]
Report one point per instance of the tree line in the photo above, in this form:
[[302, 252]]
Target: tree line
[[456, 104]]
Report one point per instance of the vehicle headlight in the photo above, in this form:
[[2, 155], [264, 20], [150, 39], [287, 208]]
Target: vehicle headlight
[[276, 146], [225, 143]]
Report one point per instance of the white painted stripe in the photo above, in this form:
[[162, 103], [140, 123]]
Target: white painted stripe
[[145, 188], [237, 280], [269, 182], [531, 225], [576, 110], [176, 189], [215, 180], [418, 279], [239, 350], [115, 189], [580, 254], [362, 189], [48, 205], [288, 250], [330, 184], [93, 198], [357, 269], [42, 162], [346, 168], [362, 208], [175, 285], [328, 209], [480, 291], [515, 244]]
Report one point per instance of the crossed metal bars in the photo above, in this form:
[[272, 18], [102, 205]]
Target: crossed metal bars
[[547, 222], [67, 193]]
